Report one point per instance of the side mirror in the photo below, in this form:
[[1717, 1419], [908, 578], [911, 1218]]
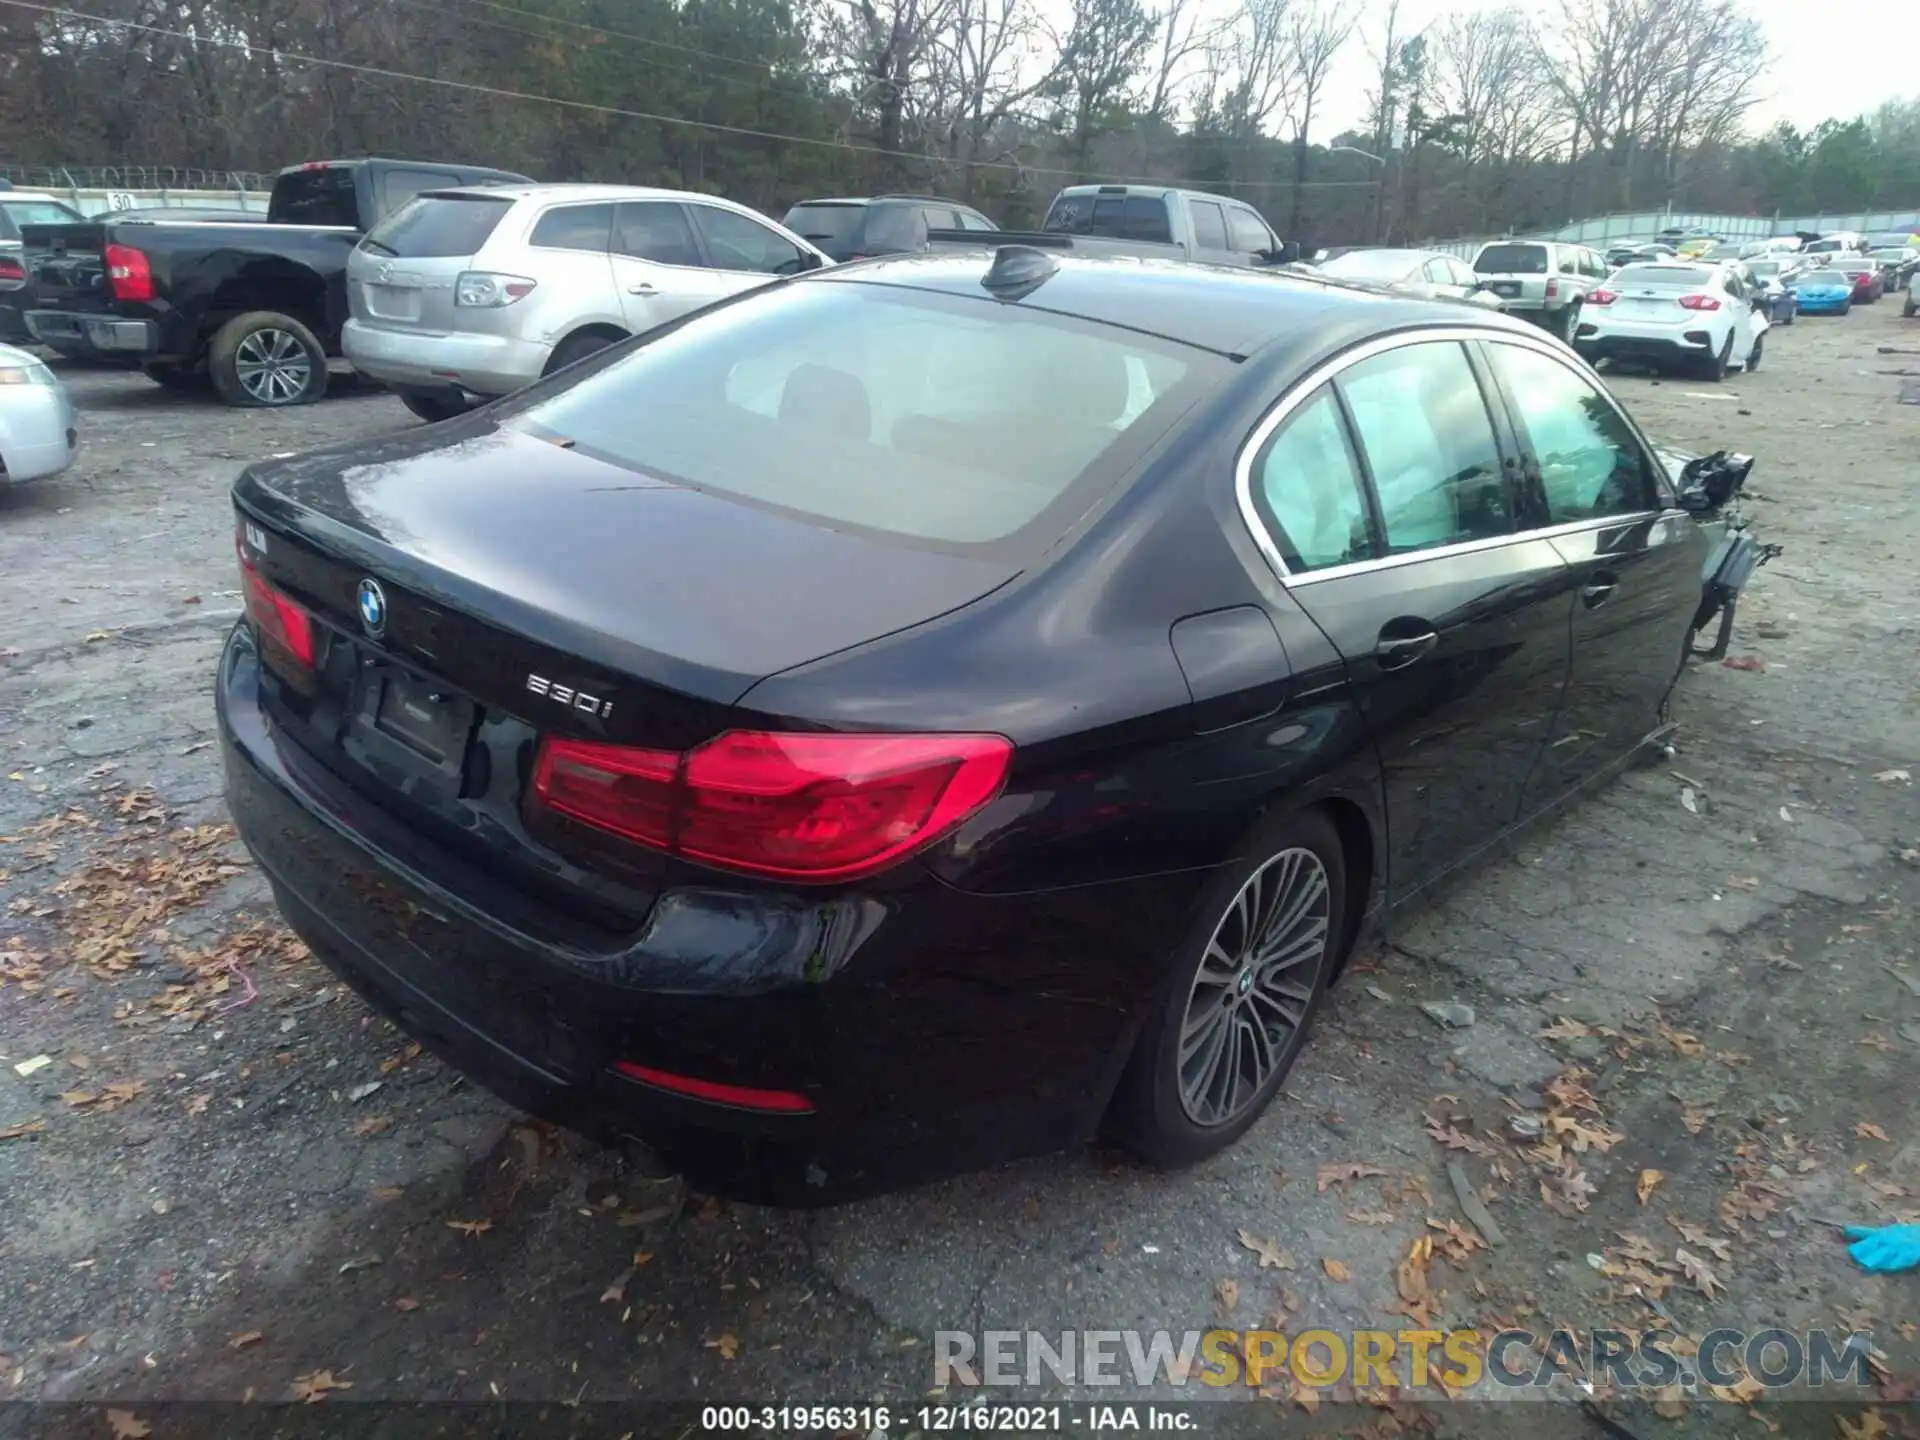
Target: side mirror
[[1708, 482]]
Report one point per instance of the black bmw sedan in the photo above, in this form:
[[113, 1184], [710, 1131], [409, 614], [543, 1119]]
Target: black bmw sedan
[[921, 712]]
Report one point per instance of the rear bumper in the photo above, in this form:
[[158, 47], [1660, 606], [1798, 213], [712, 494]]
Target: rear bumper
[[893, 1014], [481, 364], [37, 434], [105, 335], [1653, 343]]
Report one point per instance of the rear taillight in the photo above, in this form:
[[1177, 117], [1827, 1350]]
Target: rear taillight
[[793, 807], [12, 272], [1602, 297], [1553, 289], [485, 290], [129, 276], [284, 628], [1699, 302]]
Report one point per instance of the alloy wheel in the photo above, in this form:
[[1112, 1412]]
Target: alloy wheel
[[273, 366], [1247, 1008]]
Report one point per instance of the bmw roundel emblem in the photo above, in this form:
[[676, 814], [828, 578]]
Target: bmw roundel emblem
[[373, 607]]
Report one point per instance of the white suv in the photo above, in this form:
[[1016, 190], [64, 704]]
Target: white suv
[[1543, 280], [471, 293]]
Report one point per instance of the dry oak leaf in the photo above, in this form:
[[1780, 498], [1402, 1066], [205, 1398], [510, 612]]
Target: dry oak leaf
[[406, 1303], [127, 1426], [1564, 1029], [1342, 1172], [1867, 1130], [1455, 1139], [1227, 1292], [1272, 1257], [1411, 1276], [1871, 1425], [1582, 1137], [1698, 1271], [727, 1343], [313, 1388], [1570, 1192], [1649, 1180], [1335, 1270], [1371, 1217], [246, 1338], [472, 1229]]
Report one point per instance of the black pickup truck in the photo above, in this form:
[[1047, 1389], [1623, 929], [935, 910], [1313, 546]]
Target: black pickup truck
[[257, 309]]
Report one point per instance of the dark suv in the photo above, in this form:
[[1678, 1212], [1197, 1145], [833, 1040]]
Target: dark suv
[[883, 225]]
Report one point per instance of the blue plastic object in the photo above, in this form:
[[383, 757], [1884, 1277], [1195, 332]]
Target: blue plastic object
[[1885, 1250]]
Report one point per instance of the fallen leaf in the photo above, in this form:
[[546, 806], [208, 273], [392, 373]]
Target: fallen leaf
[[1568, 1191], [1410, 1278], [1581, 1137], [1228, 1294], [1867, 1130], [128, 1426], [314, 1388], [1564, 1029], [24, 1128], [1694, 1119], [406, 1303], [1744, 882], [1455, 1139], [373, 1125], [1342, 1173], [1744, 662], [1305, 1396], [197, 1105], [1272, 1257], [1894, 777], [616, 1291], [1685, 1043], [1336, 1271], [1671, 1403], [727, 1343], [1871, 1425], [1699, 1272], [246, 1338], [1371, 1217], [1645, 1185], [1743, 1391], [472, 1229]]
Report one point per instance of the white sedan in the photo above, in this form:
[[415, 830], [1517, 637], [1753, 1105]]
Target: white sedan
[[1703, 317], [1431, 274], [37, 435]]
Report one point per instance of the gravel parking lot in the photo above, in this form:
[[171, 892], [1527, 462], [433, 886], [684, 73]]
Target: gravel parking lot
[[229, 1181]]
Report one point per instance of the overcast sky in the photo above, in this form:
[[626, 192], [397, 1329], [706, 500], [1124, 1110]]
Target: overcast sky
[[1828, 58]]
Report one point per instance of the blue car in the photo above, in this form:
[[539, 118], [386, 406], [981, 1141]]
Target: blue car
[[1824, 292]]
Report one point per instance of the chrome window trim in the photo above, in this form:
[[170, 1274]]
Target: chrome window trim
[[1302, 391]]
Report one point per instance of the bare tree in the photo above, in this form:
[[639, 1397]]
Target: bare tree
[[1314, 35], [1180, 39], [984, 64], [1489, 77], [878, 50]]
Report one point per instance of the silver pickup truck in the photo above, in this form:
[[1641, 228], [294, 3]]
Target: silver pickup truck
[[1151, 221]]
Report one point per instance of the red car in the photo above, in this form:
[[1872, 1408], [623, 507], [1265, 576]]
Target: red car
[[1868, 283]]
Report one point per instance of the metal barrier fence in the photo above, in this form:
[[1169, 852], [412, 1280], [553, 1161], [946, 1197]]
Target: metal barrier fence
[[1603, 230], [132, 177]]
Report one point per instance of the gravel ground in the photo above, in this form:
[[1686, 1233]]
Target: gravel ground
[[231, 1182]]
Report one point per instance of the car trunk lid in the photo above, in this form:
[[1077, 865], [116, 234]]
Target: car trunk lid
[[66, 266], [404, 274]]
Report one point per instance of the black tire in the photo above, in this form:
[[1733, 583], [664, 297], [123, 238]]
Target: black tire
[[1150, 1112], [176, 377], [1753, 355], [433, 406], [1716, 366], [1910, 309], [1568, 323], [266, 360], [575, 348], [1846, 307]]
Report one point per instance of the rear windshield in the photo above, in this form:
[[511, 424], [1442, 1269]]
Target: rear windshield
[[315, 197], [1826, 247], [437, 227], [33, 212], [1668, 277], [1117, 217], [1512, 260], [934, 418], [1372, 265], [824, 224], [1818, 279]]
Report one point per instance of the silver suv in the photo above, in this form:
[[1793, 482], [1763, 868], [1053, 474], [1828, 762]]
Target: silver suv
[[474, 292], [1543, 280]]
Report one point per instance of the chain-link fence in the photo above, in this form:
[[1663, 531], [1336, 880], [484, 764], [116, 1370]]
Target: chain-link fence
[[131, 177], [1602, 230]]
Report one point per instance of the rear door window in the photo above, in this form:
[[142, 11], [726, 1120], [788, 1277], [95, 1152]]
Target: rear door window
[[892, 228], [1512, 260], [1144, 217], [825, 225], [1209, 225], [1429, 447], [1307, 487], [437, 226], [940, 217], [573, 227], [655, 230], [969, 221]]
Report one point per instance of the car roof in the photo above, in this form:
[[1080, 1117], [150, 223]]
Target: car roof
[[553, 194], [1226, 309], [30, 195]]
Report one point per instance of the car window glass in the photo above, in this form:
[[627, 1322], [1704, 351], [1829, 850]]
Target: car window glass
[[1505, 259], [437, 226], [1209, 225], [1144, 217], [1429, 445], [933, 417], [737, 243], [1247, 232], [970, 221], [399, 186], [1107, 213], [573, 227], [1437, 272], [940, 217], [1590, 463], [893, 227], [1307, 488], [1463, 274], [655, 230]]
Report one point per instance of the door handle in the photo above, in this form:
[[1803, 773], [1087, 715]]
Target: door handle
[[1595, 592], [1397, 651], [643, 288]]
